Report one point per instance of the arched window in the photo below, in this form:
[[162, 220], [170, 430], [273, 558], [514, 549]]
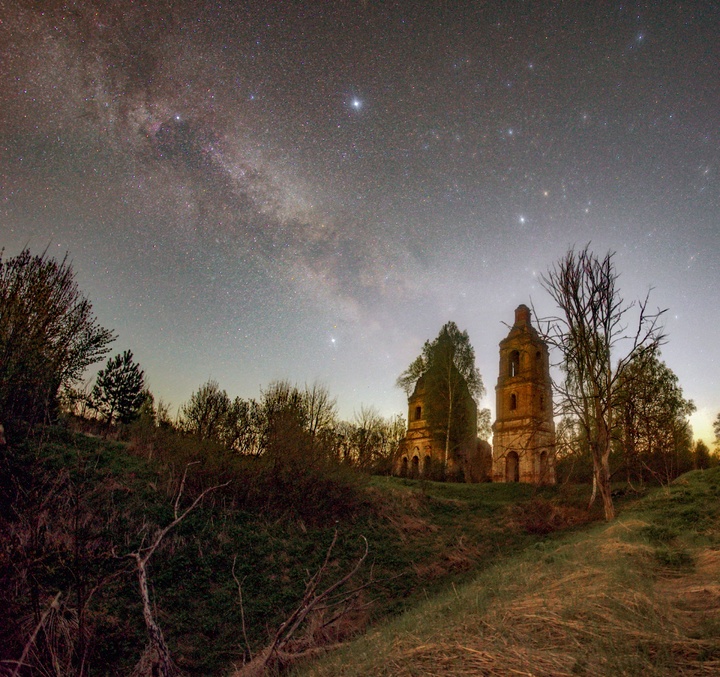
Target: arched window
[[512, 467], [513, 402], [542, 402], [418, 413], [415, 472], [404, 468], [426, 466], [514, 363]]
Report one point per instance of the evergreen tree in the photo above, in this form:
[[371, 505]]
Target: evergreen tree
[[119, 390], [702, 455]]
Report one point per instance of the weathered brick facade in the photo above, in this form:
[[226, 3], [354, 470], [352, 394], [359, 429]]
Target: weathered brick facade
[[523, 435], [524, 430]]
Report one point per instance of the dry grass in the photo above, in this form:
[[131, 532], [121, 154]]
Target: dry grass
[[599, 603], [402, 510]]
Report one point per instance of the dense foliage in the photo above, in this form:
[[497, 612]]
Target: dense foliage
[[119, 390], [73, 508], [48, 335], [451, 380]]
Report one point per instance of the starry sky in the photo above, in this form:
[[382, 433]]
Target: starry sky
[[309, 190]]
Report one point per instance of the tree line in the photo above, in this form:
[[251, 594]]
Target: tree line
[[620, 407], [49, 336]]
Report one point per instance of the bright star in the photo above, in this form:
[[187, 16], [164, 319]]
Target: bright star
[[356, 104]]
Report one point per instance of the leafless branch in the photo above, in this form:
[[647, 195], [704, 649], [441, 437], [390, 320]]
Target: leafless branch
[[31, 641], [156, 659], [312, 601]]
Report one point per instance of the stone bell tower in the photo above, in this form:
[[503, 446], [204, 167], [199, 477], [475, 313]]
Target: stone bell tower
[[524, 432]]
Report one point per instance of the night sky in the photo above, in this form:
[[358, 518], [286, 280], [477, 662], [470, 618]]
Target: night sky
[[263, 190]]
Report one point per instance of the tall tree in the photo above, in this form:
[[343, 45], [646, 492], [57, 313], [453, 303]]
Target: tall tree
[[48, 335], [119, 389], [716, 430], [652, 417], [589, 333], [447, 366], [701, 454]]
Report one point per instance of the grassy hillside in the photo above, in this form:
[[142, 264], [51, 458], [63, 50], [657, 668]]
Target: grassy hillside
[[640, 596], [73, 508]]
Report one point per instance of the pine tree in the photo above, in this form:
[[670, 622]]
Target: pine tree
[[119, 390]]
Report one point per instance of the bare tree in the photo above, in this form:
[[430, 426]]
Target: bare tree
[[205, 414], [321, 409], [589, 331]]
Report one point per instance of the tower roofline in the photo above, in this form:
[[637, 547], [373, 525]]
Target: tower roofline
[[523, 316]]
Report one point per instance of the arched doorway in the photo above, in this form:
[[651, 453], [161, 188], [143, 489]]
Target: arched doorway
[[427, 463], [404, 467], [512, 467], [415, 471]]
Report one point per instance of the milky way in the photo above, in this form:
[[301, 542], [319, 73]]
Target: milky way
[[310, 190]]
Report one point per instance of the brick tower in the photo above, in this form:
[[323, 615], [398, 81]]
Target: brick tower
[[524, 432]]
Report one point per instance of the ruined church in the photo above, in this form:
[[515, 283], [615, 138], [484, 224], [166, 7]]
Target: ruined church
[[523, 448]]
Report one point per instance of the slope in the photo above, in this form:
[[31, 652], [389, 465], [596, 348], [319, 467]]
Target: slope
[[638, 596]]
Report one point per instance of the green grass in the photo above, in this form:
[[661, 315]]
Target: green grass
[[425, 539], [639, 596]]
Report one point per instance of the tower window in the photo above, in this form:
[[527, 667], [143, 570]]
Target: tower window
[[513, 402], [418, 413], [514, 363]]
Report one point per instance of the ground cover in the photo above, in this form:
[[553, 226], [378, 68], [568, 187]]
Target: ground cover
[[73, 508], [638, 596]]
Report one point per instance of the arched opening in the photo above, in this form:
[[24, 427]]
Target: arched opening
[[542, 402], [538, 361], [544, 469], [415, 471], [404, 467], [418, 413], [427, 466], [514, 363], [513, 402], [512, 467]]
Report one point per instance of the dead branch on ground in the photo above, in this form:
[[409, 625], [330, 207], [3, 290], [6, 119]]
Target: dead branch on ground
[[280, 651], [156, 659]]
